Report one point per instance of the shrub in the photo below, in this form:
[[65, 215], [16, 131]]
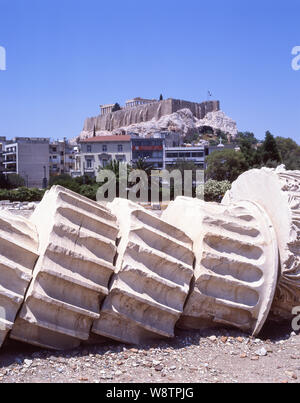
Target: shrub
[[15, 181], [215, 190], [22, 194], [89, 191], [65, 181]]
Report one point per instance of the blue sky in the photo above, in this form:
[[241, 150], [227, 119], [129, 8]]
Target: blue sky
[[66, 57]]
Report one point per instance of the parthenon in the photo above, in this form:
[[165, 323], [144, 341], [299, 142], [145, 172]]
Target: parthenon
[[138, 101]]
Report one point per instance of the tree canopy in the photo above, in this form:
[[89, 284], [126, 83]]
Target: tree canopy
[[116, 107], [289, 151], [225, 165], [270, 152]]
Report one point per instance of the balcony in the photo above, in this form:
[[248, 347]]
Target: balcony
[[9, 152], [75, 173], [90, 169]]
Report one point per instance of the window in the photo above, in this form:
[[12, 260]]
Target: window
[[120, 148], [89, 148], [184, 155], [89, 163], [172, 155], [104, 148]]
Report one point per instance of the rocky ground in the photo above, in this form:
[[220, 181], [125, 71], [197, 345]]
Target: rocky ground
[[219, 356]]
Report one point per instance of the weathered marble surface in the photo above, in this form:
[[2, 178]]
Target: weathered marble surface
[[278, 192], [236, 263], [18, 255], [152, 280], [77, 269], [77, 251]]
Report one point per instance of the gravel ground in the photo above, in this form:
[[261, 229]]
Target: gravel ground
[[219, 356]]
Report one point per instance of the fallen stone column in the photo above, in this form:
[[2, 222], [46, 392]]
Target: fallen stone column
[[18, 255], [278, 192], [236, 263], [152, 280], [77, 252], [121, 272]]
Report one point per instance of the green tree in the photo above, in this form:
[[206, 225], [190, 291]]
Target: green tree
[[289, 151], [161, 97], [143, 165], [191, 138], [252, 154], [184, 165], [116, 107], [89, 191], [66, 181], [246, 136], [85, 180], [248, 144], [225, 165], [114, 166], [270, 152], [220, 134]]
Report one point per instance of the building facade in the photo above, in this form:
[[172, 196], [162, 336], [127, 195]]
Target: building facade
[[195, 154], [96, 152], [29, 158], [150, 150], [61, 158], [3, 143]]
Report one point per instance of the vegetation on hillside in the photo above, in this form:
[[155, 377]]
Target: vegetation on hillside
[[229, 164]]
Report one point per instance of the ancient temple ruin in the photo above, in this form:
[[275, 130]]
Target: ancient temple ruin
[[79, 268]]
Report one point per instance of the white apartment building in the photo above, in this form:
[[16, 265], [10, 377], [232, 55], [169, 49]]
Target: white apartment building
[[96, 152]]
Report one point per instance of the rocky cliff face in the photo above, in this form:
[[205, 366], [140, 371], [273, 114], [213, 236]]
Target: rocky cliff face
[[182, 121], [218, 120]]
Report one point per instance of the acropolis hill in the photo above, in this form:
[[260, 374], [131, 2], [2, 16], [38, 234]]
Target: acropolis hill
[[146, 116]]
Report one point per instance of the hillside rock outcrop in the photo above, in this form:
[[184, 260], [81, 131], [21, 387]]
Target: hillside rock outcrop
[[182, 121]]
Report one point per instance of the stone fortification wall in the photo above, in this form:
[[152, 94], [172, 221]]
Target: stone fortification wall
[[144, 113]]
